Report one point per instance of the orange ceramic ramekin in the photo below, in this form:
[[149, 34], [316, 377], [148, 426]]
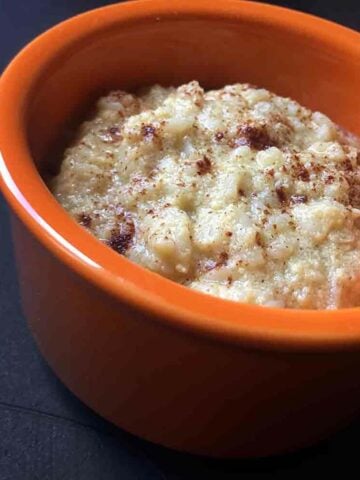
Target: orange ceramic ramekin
[[179, 368]]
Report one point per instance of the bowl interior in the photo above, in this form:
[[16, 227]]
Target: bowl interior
[[171, 49], [49, 87]]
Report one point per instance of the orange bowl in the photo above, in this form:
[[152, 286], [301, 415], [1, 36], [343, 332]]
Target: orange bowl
[[186, 370]]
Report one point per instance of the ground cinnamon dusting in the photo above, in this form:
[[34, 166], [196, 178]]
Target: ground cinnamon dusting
[[219, 136], [302, 173], [223, 258], [254, 136], [281, 194], [111, 135], [84, 220], [148, 131], [258, 239], [203, 166], [121, 237], [298, 199]]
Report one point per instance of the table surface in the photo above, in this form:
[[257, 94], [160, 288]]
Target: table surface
[[45, 432]]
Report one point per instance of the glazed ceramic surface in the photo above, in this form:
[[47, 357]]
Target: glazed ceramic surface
[[189, 371]]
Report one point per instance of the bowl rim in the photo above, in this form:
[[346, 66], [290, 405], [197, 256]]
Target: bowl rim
[[250, 325]]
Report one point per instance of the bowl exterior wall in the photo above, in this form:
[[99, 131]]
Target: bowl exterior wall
[[173, 387]]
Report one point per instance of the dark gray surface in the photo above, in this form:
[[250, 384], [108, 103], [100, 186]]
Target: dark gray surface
[[46, 433]]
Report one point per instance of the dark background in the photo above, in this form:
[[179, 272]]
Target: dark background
[[46, 433]]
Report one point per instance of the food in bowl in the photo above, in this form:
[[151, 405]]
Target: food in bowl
[[236, 192]]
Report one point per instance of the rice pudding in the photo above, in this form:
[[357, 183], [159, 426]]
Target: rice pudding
[[235, 192]]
